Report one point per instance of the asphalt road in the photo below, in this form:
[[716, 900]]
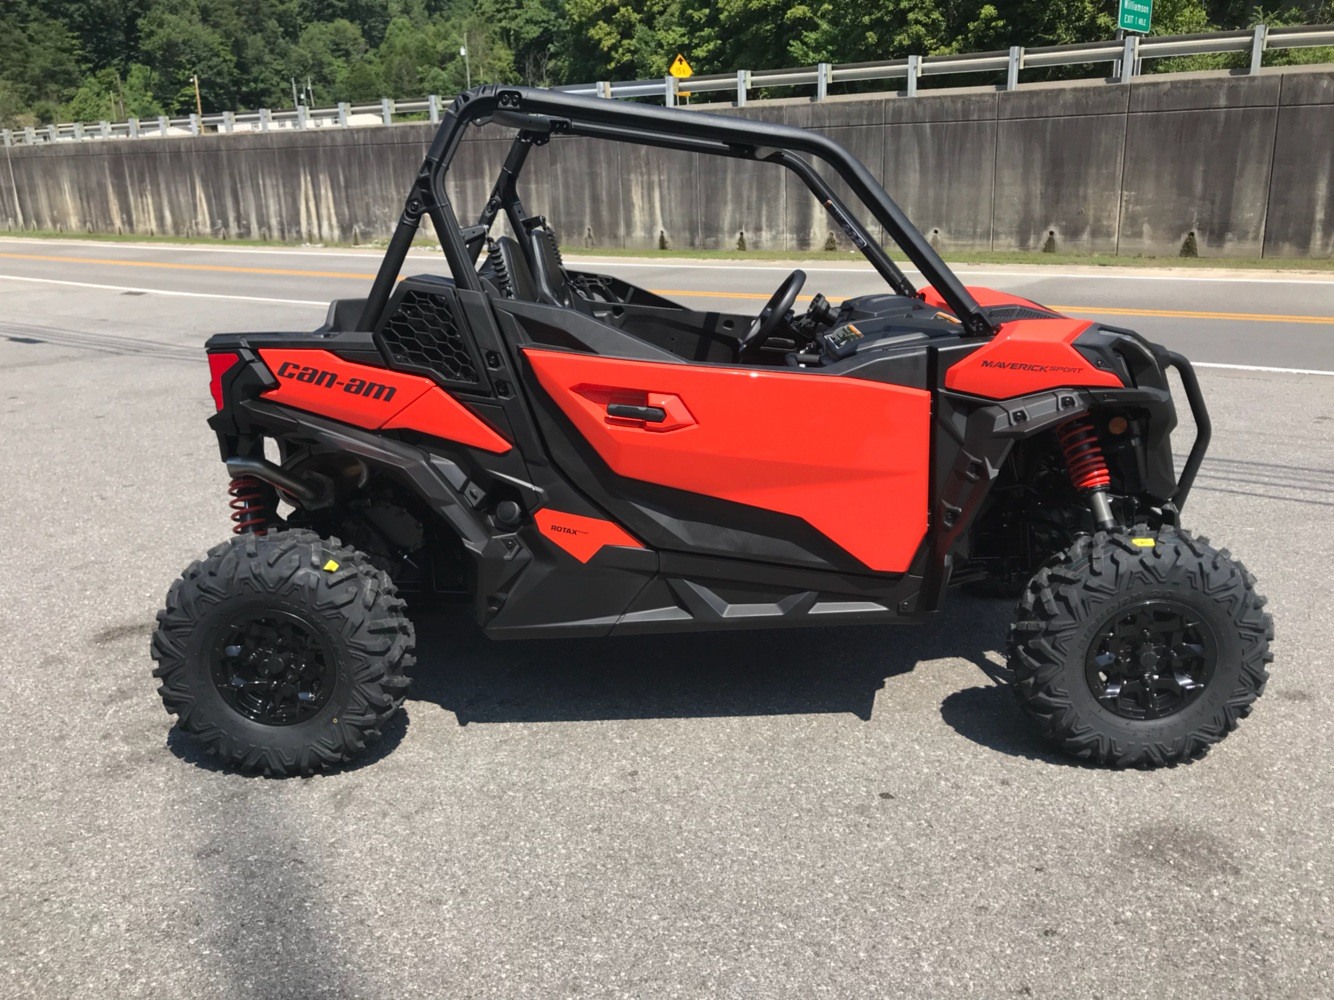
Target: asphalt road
[[1227, 317], [843, 813]]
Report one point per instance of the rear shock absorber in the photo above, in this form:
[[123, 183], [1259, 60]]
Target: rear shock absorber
[[1087, 467], [253, 503]]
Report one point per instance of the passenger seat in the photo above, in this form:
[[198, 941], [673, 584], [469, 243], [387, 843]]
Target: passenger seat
[[508, 270]]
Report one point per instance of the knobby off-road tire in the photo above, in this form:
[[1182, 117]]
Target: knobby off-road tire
[[283, 653], [1070, 623]]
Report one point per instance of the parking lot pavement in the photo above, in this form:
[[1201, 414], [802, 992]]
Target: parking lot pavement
[[841, 813]]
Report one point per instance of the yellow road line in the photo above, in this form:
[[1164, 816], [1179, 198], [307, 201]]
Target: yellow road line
[[682, 293], [1103, 310], [177, 266], [1193, 314]]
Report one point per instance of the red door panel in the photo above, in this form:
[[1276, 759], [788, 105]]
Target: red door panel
[[850, 457]]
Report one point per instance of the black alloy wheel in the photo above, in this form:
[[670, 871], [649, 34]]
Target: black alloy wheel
[[1150, 660], [273, 667]]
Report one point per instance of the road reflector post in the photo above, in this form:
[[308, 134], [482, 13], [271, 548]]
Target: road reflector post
[[1258, 42], [1129, 56], [1012, 69]]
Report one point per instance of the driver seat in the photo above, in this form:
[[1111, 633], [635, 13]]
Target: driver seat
[[553, 284]]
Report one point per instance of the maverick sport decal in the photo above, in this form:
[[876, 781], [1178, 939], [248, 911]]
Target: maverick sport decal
[[1028, 355], [1019, 366]]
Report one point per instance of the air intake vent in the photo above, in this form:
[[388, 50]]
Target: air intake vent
[[1004, 314], [424, 334]]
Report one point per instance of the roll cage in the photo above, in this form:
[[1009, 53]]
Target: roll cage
[[539, 115]]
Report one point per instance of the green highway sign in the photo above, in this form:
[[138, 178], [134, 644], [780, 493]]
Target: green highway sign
[[1136, 15]]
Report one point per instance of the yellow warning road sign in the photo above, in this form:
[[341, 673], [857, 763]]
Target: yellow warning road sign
[[680, 68]]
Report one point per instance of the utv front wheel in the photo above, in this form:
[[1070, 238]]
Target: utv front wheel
[[1140, 648], [283, 653]]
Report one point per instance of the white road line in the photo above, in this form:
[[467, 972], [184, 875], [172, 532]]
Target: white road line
[[667, 263], [1033, 272], [322, 305], [163, 291], [1261, 368], [192, 247]]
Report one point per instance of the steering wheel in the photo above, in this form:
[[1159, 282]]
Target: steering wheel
[[774, 312]]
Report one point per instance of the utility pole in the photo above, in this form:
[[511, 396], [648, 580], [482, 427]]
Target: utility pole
[[296, 101], [467, 67], [199, 104]]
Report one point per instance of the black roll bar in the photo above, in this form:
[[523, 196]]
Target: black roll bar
[[541, 113], [1203, 426]]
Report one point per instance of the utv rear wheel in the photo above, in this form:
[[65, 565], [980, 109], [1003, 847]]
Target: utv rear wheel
[[283, 653], [1140, 648]]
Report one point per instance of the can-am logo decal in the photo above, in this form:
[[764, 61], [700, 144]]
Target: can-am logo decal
[[1019, 366], [330, 380]]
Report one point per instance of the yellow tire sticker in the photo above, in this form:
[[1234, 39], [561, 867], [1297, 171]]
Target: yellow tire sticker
[[1143, 543], [332, 566]]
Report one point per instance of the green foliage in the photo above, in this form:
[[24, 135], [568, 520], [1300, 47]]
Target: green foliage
[[63, 60]]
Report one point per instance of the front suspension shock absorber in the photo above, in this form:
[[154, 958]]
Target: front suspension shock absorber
[[253, 504], [1087, 467]]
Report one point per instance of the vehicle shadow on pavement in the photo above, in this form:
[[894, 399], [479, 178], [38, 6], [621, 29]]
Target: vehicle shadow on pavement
[[777, 672]]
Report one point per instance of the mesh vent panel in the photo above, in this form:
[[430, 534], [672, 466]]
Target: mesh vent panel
[[423, 333], [1003, 314]]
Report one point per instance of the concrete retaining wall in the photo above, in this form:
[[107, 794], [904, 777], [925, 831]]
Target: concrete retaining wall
[[1244, 163]]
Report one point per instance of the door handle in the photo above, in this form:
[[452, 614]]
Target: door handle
[[629, 411], [636, 409]]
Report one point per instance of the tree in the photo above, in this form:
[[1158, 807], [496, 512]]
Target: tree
[[612, 40], [324, 55], [66, 59], [531, 29], [178, 45]]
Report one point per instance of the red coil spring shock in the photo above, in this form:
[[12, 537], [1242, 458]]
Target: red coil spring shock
[[1083, 454], [251, 505]]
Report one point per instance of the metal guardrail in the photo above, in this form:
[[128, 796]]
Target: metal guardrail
[[1125, 56]]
